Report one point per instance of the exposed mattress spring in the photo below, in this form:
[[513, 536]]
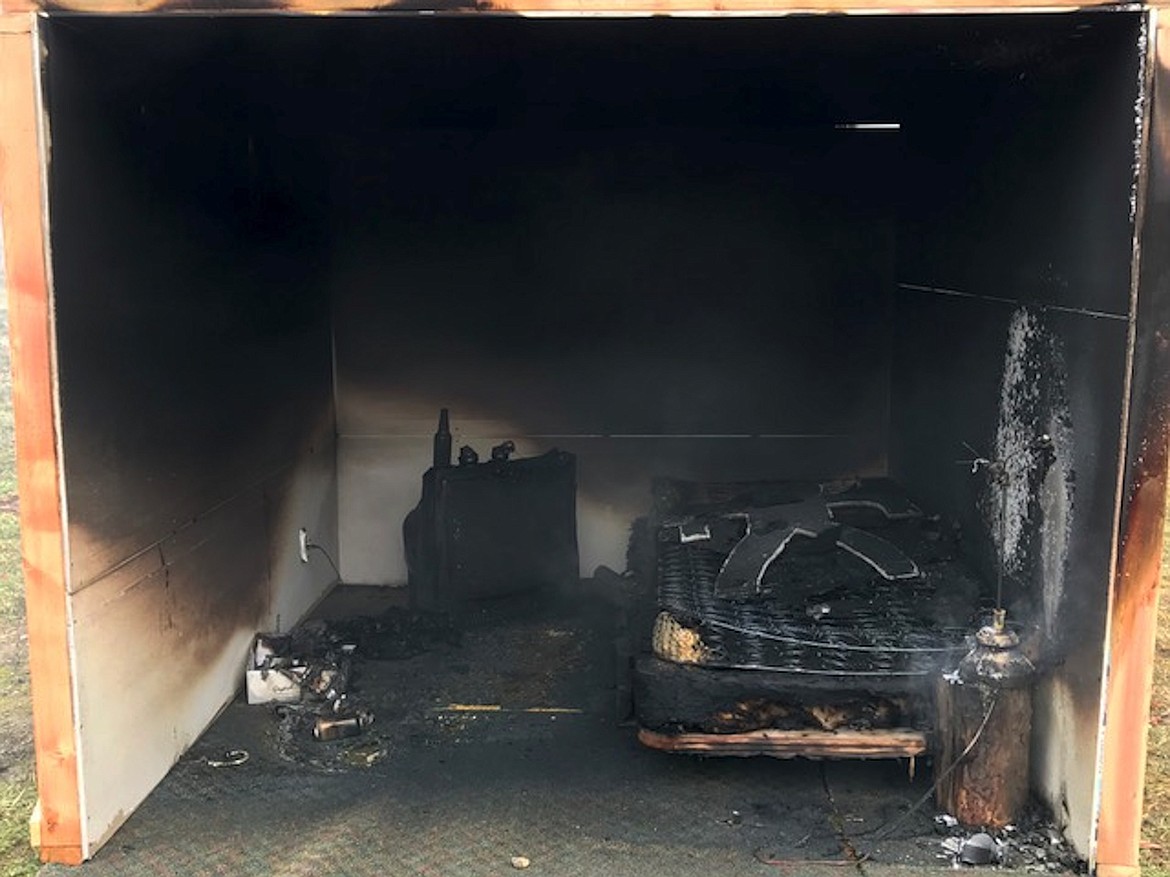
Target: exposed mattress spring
[[882, 634]]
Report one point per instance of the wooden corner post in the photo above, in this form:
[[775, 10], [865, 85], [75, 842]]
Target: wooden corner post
[[1133, 613], [38, 460]]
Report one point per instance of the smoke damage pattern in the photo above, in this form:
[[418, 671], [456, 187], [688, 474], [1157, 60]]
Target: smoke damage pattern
[[1028, 502]]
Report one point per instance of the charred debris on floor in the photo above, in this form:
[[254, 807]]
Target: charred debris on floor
[[1032, 844], [307, 675], [501, 529]]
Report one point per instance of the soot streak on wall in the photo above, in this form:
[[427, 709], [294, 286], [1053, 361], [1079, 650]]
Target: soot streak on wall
[[198, 429]]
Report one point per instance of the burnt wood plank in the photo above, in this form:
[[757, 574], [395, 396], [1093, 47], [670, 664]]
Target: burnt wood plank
[[985, 786], [892, 743], [671, 697]]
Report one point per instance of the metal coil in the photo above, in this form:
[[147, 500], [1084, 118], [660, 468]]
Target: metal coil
[[881, 633]]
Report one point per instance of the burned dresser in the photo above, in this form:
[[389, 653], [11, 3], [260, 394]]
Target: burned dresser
[[491, 529]]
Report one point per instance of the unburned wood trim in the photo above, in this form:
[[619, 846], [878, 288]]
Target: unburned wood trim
[[22, 176], [759, 7], [558, 7], [12, 23], [1141, 498], [892, 743], [1104, 870]]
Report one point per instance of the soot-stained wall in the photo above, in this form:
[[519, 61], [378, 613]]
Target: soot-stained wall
[[643, 242], [682, 302], [197, 418], [1011, 322]]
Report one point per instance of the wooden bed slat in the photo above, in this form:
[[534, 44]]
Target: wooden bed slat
[[892, 743]]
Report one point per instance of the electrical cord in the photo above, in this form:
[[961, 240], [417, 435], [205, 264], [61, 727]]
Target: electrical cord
[[888, 829], [313, 546]]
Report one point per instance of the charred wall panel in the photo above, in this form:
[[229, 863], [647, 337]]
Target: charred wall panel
[[195, 379], [1011, 323], [192, 319]]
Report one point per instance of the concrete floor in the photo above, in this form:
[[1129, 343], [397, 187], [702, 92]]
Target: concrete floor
[[432, 790]]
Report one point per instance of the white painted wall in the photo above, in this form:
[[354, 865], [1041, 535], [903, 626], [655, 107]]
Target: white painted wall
[[153, 668]]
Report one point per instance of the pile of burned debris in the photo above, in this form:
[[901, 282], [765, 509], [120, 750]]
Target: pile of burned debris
[[307, 676], [1033, 844]]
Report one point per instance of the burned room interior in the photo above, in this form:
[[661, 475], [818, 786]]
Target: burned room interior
[[776, 356]]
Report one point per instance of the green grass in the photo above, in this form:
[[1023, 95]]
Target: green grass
[[17, 788], [1156, 826], [11, 579], [17, 797]]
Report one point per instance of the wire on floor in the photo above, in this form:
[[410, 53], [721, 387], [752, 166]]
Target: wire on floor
[[885, 831]]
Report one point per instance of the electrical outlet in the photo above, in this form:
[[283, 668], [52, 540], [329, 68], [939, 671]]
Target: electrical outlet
[[303, 544]]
